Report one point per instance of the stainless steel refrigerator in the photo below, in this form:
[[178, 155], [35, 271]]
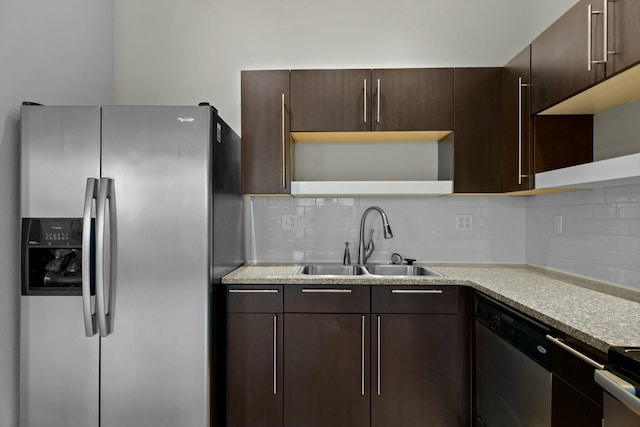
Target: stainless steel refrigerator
[[130, 217]]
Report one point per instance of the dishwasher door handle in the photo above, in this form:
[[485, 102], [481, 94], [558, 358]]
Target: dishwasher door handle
[[618, 388]]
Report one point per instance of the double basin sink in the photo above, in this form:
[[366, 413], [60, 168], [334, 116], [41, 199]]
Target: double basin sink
[[367, 270]]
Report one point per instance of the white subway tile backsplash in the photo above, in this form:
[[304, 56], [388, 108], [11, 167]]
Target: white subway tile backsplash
[[424, 228], [600, 236]]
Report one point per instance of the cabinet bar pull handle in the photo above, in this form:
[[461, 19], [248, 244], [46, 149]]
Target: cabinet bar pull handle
[[520, 86], [362, 358], [416, 291], [253, 291], [605, 41], [275, 354], [364, 102], [575, 352], [379, 388], [284, 171], [378, 102], [605, 30], [326, 291], [589, 13]]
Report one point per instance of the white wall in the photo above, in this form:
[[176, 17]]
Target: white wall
[[169, 52], [542, 13], [52, 52], [193, 50]]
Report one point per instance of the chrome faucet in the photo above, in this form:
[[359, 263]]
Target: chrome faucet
[[365, 252]]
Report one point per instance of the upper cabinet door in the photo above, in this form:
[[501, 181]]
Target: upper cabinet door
[[561, 62], [624, 35], [478, 130], [330, 100], [517, 151], [265, 132], [412, 99]]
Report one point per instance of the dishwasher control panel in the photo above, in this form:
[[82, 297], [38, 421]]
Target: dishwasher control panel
[[521, 331]]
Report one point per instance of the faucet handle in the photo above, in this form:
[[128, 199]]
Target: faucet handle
[[370, 245]]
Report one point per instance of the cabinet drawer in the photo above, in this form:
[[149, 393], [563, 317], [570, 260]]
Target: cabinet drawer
[[326, 299], [254, 299], [415, 299], [576, 372]]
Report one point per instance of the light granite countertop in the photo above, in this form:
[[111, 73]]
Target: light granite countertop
[[599, 315]]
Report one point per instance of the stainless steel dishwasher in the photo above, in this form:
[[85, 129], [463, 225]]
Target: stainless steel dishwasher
[[513, 378]]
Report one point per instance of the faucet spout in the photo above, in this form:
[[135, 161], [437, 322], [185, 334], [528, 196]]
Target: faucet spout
[[363, 252]]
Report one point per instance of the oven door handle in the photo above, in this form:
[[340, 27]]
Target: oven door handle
[[618, 388]]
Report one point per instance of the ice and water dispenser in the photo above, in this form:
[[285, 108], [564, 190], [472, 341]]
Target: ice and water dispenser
[[52, 256]]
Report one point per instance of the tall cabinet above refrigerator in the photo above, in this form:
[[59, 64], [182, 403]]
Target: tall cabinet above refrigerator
[[130, 217]]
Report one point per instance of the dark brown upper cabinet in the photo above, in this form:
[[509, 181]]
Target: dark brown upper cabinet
[[266, 164], [412, 99], [477, 136], [378, 100], [330, 100], [571, 56], [517, 150], [624, 35], [561, 62]]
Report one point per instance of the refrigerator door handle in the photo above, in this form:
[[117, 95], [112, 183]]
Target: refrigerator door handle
[[102, 302], [87, 307]]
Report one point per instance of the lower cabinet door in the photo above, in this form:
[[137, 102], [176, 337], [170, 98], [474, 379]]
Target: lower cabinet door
[[570, 407], [254, 370], [326, 373], [420, 371]]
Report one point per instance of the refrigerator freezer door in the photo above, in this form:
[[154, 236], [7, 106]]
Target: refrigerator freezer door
[[60, 149], [154, 363], [58, 364]]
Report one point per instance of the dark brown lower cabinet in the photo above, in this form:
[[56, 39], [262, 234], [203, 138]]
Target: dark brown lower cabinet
[[421, 377], [254, 383], [420, 357], [254, 357], [576, 399], [325, 360], [569, 407], [326, 379]]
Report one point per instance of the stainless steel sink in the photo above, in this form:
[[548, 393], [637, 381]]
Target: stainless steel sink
[[368, 270], [400, 270], [331, 270]]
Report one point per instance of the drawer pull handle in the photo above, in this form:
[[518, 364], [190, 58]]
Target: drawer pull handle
[[326, 291], [253, 291], [416, 291], [575, 352]]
